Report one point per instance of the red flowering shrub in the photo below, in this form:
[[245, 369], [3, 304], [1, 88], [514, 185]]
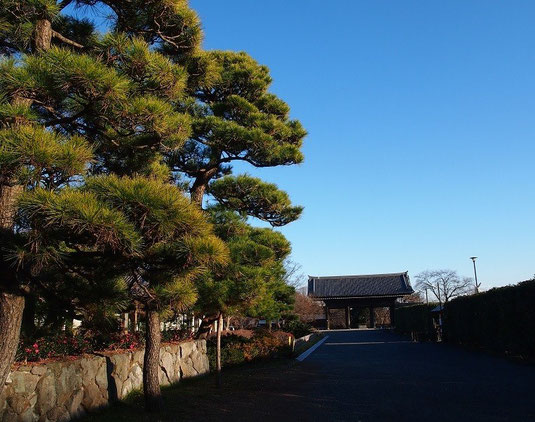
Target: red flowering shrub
[[53, 347], [172, 336], [61, 345], [126, 341]]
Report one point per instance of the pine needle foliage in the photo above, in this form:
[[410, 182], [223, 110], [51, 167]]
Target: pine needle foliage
[[254, 197], [38, 157]]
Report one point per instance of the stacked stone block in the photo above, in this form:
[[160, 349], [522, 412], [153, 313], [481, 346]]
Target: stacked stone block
[[61, 391]]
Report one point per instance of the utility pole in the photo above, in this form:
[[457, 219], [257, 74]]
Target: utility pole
[[473, 258]]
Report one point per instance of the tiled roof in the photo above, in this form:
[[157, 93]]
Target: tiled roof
[[396, 284]]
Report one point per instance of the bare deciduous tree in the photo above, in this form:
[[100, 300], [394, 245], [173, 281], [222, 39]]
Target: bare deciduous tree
[[307, 309], [443, 284], [415, 297], [294, 274]]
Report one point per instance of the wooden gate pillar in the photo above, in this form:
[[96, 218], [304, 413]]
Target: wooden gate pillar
[[372, 317], [327, 318], [348, 317], [392, 314]]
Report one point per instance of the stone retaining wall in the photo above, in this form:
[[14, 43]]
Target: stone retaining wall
[[60, 391]]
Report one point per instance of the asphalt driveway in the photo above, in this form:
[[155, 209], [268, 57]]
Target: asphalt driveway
[[375, 375]]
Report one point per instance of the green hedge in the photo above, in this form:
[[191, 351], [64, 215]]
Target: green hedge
[[416, 321], [500, 320]]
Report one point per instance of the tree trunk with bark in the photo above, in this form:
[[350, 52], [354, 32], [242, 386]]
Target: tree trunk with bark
[[218, 349], [8, 198], [43, 35], [151, 365], [11, 304], [205, 327], [198, 189], [28, 317], [11, 309]]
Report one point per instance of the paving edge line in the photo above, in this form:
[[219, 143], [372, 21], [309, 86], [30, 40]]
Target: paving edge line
[[307, 352]]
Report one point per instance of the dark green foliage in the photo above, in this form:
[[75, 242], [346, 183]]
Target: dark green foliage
[[416, 321], [298, 328], [252, 283], [254, 197], [235, 118], [500, 320], [169, 24], [35, 157]]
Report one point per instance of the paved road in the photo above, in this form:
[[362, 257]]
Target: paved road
[[373, 375]]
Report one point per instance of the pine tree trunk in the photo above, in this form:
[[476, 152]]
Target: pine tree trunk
[[151, 366], [197, 193], [43, 34], [198, 189], [218, 349], [8, 197], [11, 305], [11, 309], [228, 323], [204, 328]]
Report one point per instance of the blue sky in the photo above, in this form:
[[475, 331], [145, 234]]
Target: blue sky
[[421, 127], [421, 120]]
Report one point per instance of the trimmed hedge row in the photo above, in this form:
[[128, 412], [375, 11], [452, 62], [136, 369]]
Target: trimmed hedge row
[[500, 320], [416, 321]]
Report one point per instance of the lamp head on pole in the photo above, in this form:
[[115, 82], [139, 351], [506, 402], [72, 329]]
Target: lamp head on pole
[[473, 258]]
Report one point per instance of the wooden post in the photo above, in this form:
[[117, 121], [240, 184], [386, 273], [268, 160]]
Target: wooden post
[[327, 319], [135, 324], [218, 349], [348, 317], [392, 314], [125, 322], [372, 317]]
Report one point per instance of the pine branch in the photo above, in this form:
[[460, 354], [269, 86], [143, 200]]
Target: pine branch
[[60, 37], [64, 4]]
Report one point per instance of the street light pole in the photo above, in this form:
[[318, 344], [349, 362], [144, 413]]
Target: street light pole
[[473, 258]]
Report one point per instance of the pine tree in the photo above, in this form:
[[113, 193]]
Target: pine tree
[[235, 118], [30, 157], [153, 109], [144, 230], [253, 283], [123, 99]]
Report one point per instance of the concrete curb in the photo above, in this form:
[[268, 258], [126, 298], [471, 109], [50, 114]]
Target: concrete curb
[[307, 352]]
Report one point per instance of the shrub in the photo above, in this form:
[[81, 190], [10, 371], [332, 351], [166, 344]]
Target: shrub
[[53, 347], [170, 336], [125, 341], [299, 328], [237, 349], [500, 320], [62, 345], [416, 321]]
